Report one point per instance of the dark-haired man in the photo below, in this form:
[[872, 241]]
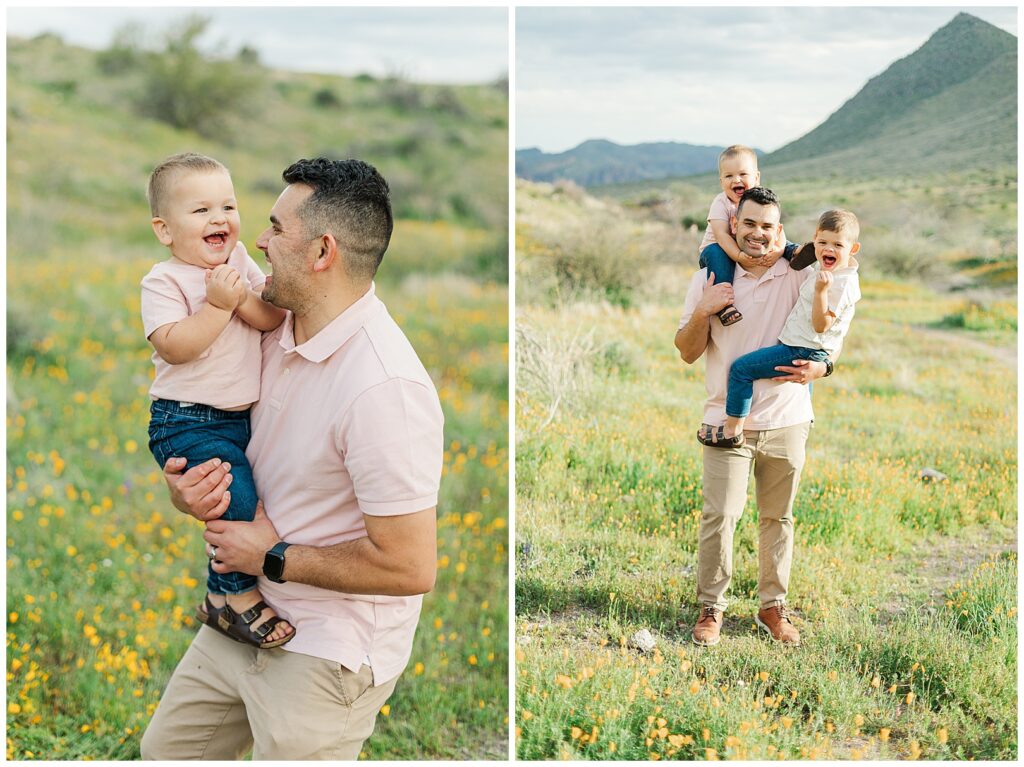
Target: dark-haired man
[[346, 452], [765, 290]]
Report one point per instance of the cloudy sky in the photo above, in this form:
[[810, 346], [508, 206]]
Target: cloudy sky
[[757, 76], [438, 45]]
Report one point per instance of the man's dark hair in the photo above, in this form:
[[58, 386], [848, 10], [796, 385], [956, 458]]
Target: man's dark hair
[[761, 196], [351, 201]]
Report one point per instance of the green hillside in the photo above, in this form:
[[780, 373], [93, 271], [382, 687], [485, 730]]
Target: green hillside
[[443, 149], [949, 105]]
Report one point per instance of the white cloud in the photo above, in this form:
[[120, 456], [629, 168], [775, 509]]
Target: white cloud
[[455, 45], [761, 76]]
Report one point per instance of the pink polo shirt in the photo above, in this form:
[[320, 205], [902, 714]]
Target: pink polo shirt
[[765, 303], [227, 374], [348, 424]]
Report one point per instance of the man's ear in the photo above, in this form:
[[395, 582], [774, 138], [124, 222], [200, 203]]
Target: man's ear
[[328, 253], [855, 249], [732, 225], [162, 231]]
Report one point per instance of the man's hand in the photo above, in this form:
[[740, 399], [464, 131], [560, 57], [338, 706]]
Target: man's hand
[[242, 546], [801, 371], [202, 491], [716, 297], [224, 288]]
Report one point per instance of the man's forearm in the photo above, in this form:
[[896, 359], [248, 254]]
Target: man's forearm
[[361, 567], [692, 338]]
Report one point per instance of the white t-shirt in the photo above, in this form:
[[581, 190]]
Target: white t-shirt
[[842, 295]]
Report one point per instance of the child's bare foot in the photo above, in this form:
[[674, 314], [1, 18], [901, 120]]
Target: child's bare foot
[[239, 603]]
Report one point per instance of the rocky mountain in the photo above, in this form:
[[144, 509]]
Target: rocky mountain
[[952, 104]]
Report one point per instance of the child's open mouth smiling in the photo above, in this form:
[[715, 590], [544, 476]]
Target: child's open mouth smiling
[[828, 262], [217, 239]]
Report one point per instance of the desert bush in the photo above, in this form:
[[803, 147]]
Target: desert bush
[[401, 95], [599, 256], [902, 255], [249, 56], [690, 221], [123, 54], [326, 98], [554, 368], [446, 100], [185, 89]]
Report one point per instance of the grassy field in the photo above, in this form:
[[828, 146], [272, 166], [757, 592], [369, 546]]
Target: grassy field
[[102, 573], [904, 590]]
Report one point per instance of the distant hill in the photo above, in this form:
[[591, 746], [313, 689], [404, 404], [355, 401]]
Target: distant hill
[[950, 105], [598, 162], [443, 149]]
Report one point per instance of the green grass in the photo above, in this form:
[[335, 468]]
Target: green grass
[[904, 591], [102, 573]]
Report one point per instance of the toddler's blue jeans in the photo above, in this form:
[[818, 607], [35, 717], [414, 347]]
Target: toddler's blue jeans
[[199, 433], [719, 264], [761, 364]]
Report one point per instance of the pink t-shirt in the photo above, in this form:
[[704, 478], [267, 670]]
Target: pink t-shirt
[[722, 209], [765, 303], [349, 424], [227, 374]]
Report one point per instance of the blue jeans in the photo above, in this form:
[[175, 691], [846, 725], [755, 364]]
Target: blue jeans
[[761, 364], [719, 264], [199, 433]]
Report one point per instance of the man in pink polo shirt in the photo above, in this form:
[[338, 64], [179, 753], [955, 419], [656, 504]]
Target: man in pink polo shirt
[[346, 452], [765, 289]]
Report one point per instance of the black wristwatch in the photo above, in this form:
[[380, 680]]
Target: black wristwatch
[[829, 367], [273, 562]]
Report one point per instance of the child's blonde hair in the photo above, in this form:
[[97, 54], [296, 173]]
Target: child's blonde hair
[[735, 149], [840, 221], [162, 175]]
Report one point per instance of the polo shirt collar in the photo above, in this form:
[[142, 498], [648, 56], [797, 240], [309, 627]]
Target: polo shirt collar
[[778, 269], [335, 333]]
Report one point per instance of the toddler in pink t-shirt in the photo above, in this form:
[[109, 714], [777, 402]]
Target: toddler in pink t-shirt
[[203, 314]]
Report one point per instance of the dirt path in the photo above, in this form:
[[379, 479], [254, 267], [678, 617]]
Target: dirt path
[[946, 560], [1004, 355]]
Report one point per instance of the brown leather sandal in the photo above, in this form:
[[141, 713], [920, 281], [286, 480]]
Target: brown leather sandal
[[236, 625], [730, 315], [718, 438]]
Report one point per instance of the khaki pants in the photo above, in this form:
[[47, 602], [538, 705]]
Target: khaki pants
[[225, 698], [777, 456]]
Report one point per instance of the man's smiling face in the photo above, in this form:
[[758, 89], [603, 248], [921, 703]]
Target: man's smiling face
[[289, 250], [756, 227]]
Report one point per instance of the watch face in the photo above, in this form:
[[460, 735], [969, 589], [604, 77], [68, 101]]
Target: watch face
[[273, 565]]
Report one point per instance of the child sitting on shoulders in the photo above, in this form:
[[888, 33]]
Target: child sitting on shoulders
[[814, 329], [203, 314], [737, 172]]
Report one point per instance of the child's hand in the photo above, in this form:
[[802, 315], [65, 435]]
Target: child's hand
[[823, 281], [224, 288]]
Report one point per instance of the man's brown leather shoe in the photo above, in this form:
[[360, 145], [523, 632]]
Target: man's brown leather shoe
[[775, 621], [708, 630]]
